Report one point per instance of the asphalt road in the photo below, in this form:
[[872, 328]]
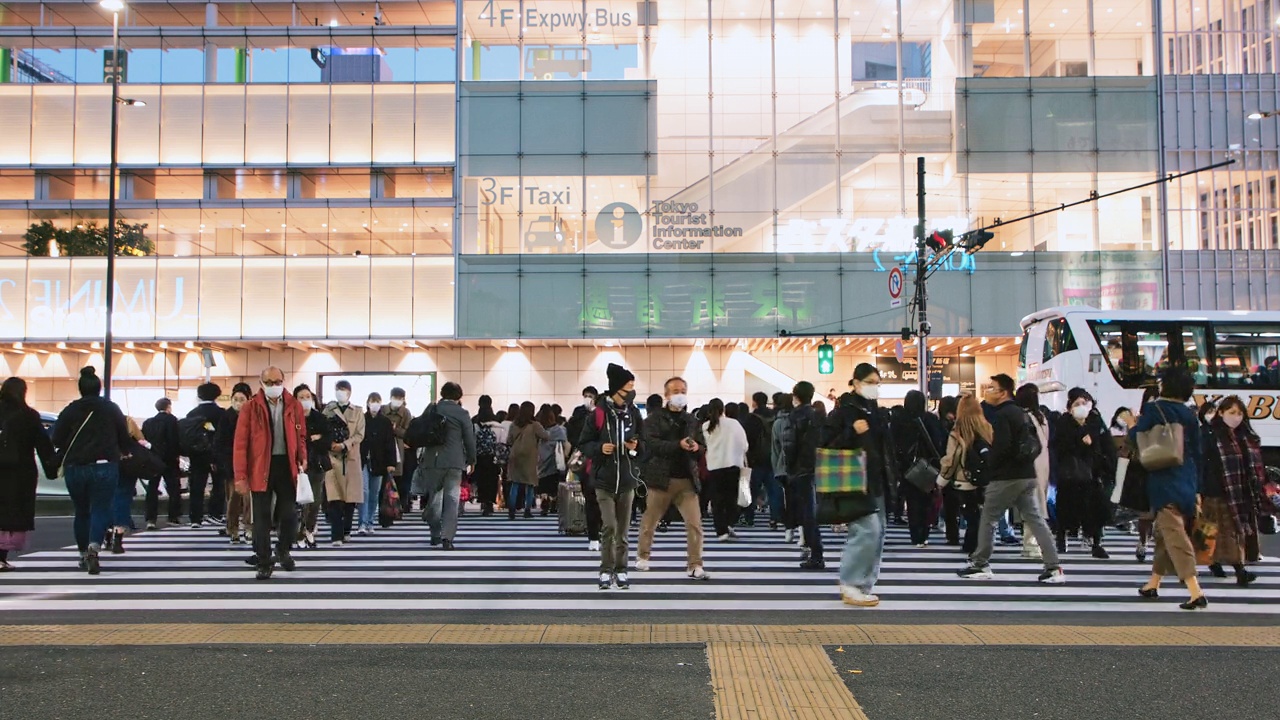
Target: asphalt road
[[945, 683], [309, 682]]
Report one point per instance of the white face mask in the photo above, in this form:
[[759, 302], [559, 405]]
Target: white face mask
[[1233, 421], [308, 405], [588, 402], [396, 404], [236, 404], [870, 392], [273, 392], [343, 396], [679, 402], [375, 408], [1081, 412]]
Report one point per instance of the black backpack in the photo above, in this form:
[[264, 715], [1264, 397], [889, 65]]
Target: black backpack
[[427, 430], [975, 462], [194, 440], [1029, 447]]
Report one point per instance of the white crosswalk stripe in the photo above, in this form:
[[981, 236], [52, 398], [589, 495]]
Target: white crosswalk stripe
[[525, 564]]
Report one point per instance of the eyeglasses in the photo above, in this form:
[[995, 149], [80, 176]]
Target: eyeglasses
[[272, 383]]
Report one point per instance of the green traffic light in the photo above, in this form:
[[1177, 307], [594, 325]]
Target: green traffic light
[[826, 359]]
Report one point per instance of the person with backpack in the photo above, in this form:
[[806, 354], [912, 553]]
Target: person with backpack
[[1010, 476], [1086, 461], [613, 444], [448, 451], [800, 439], [377, 459], [674, 441], [859, 423], [406, 462], [918, 435], [196, 433], [270, 452], [90, 434], [525, 436], [22, 438], [964, 466], [239, 518], [491, 455], [162, 432], [344, 484]]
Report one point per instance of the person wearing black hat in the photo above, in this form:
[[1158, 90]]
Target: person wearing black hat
[[611, 440]]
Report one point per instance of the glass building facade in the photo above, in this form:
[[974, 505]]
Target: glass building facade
[[623, 169]]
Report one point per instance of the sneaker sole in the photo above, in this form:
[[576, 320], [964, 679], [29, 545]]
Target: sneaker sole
[[986, 576], [861, 603]]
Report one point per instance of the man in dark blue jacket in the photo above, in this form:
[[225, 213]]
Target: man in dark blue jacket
[[202, 469], [611, 440], [1012, 483]]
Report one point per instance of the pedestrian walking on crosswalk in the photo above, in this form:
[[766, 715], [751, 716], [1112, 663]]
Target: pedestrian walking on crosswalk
[[674, 441]]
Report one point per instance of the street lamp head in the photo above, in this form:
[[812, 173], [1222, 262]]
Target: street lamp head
[[1256, 116], [112, 5], [131, 102]]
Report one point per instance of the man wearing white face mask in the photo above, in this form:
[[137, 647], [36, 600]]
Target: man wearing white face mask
[[406, 462], [675, 441], [344, 485], [270, 451]]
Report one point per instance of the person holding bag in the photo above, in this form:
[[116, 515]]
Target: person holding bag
[[970, 434], [1168, 439], [726, 452], [920, 440], [1231, 486], [1085, 454]]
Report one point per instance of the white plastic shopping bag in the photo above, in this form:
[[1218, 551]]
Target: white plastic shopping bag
[[305, 496]]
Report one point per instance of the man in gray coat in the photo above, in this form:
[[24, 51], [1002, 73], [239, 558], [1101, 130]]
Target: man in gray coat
[[440, 467]]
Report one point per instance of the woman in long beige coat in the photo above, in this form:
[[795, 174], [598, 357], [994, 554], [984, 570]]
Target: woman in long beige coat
[[344, 484], [525, 437]]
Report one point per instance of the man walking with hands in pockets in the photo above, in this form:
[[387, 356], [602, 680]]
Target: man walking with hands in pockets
[[270, 452]]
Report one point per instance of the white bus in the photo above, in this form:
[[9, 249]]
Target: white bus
[[1117, 354]]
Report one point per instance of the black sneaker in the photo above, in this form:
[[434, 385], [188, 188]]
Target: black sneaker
[[264, 572], [448, 544], [287, 563], [606, 581], [813, 563], [1053, 576], [624, 582], [91, 562], [1216, 570], [976, 572], [1101, 553]]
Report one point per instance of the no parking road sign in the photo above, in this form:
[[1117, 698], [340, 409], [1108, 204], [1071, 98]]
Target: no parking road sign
[[895, 287]]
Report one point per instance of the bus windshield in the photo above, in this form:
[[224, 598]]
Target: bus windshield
[[1140, 352]]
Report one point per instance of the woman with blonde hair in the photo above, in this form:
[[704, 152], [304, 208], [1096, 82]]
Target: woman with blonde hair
[[971, 434]]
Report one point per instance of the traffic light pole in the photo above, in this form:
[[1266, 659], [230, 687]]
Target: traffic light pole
[[922, 292]]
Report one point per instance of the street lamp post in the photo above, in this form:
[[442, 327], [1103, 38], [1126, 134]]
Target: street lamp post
[[115, 6]]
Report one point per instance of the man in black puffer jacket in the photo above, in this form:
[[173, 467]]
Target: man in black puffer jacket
[[674, 439]]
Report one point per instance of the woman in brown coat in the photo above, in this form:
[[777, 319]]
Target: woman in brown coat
[[525, 437], [344, 485]]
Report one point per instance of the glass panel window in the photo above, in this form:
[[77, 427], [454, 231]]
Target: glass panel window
[[1246, 356]]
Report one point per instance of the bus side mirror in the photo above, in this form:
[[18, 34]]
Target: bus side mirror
[[1095, 363]]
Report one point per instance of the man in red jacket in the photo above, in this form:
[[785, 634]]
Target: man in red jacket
[[270, 452]]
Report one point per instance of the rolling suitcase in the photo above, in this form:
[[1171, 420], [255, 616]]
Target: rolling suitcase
[[571, 508]]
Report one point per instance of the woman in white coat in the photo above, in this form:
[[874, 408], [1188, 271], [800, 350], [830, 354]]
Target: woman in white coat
[[1028, 398], [726, 456]]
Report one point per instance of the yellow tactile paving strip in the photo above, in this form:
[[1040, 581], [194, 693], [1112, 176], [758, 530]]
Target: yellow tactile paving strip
[[631, 634], [765, 680]]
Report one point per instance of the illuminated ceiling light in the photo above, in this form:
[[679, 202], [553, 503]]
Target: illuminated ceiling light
[[333, 23], [512, 344], [95, 345], [699, 344], [129, 345], [161, 226], [17, 346], [190, 344], [164, 345], [62, 346], [984, 341], [112, 5]]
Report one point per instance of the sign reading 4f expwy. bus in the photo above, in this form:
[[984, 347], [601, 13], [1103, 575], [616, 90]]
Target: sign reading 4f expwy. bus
[[567, 16], [1260, 407]]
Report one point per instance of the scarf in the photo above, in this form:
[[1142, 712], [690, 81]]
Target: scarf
[[1242, 476]]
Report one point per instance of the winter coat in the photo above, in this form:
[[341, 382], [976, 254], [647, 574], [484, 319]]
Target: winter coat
[[254, 441], [557, 435], [877, 442], [619, 472], [378, 449], [318, 459], [162, 432], [212, 414], [18, 480], [1008, 421], [1177, 485], [459, 448], [400, 419], [952, 470], [663, 431], [727, 444], [1083, 472], [105, 432], [522, 466], [345, 482]]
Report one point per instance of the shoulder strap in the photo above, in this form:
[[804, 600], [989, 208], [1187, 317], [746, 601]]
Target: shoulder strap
[[924, 436], [77, 435]]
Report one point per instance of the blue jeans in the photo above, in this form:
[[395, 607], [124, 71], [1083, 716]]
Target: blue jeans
[[777, 498], [372, 495], [122, 502], [520, 496], [92, 489], [860, 560]]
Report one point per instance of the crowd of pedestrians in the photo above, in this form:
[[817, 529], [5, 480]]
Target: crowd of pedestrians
[[976, 471]]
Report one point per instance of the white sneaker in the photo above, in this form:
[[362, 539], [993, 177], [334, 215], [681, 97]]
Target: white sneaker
[[857, 598], [788, 535], [372, 529], [642, 565], [362, 531], [697, 573], [799, 539], [337, 543], [724, 538], [1053, 577], [594, 546]]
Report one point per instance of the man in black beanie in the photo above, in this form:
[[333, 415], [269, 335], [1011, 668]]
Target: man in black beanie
[[611, 440]]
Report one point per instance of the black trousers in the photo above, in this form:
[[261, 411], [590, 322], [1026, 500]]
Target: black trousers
[[486, 479], [969, 505], [724, 498], [807, 514], [951, 514], [404, 483], [919, 504], [594, 521], [340, 515], [172, 486], [197, 481], [281, 490], [218, 492]]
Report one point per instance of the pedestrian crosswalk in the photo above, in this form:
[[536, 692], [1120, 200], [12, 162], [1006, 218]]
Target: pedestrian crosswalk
[[522, 565]]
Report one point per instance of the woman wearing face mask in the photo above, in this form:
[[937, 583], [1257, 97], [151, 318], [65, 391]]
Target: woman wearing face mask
[[239, 518], [378, 458], [726, 456], [858, 422], [319, 440], [1231, 486], [550, 475], [1085, 456], [344, 485]]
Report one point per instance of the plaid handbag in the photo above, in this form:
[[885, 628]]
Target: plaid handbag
[[840, 471]]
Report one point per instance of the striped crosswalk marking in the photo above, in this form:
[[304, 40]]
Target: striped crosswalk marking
[[502, 564]]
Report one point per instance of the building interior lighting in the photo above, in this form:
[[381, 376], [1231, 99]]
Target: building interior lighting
[[112, 5]]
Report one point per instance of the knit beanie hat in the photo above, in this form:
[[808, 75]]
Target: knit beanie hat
[[618, 377]]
